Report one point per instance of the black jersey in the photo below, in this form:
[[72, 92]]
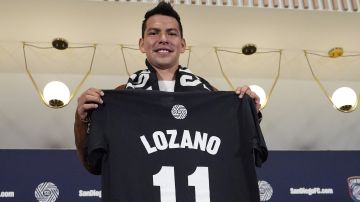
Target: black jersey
[[152, 146]]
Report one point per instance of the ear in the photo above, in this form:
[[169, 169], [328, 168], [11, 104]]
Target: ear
[[183, 45], [141, 45]]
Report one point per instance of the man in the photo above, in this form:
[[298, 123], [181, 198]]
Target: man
[[162, 41]]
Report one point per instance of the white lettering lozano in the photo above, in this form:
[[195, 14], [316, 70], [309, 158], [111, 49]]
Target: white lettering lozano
[[200, 141]]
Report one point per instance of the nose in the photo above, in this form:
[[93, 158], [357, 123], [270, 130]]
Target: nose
[[163, 38]]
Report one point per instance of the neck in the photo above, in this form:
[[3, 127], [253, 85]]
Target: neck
[[166, 74]]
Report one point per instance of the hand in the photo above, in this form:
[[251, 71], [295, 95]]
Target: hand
[[90, 99], [246, 89]]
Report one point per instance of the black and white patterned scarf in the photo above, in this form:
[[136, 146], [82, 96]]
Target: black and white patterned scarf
[[185, 80]]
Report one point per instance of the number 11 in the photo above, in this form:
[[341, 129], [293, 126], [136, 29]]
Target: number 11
[[165, 178]]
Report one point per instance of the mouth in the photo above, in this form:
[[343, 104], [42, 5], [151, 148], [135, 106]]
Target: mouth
[[163, 50]]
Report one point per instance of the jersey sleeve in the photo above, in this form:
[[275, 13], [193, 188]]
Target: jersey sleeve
[[257, 141], [96, 145]]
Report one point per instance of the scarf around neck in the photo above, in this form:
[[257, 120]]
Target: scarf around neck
[[185, 80]]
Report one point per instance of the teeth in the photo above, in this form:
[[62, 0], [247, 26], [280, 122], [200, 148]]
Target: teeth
[[163, 51]]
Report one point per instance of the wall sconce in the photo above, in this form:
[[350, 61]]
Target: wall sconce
[[56, 94], [129, 47], [248, 50], [343, 99]]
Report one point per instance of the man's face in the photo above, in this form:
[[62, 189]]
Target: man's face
[[162, 42]]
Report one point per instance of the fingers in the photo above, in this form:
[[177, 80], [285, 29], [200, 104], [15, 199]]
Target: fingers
[[90, 99], [241, 91], [92, 95], [255, 97], [83, 110], [258, 106]]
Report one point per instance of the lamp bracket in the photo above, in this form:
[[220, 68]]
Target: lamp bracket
[[249, 49], [336, 52], [60, 43]]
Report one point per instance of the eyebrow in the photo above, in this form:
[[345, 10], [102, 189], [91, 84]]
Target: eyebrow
[[167, 30]]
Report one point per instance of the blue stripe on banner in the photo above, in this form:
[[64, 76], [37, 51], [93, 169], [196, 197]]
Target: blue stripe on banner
[[57, 175]]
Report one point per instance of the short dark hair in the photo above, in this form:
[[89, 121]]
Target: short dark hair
[[163, 8]]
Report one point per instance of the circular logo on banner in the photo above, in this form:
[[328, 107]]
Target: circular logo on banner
[[46, 192], [179, 111], [354, 187], [265, 190]]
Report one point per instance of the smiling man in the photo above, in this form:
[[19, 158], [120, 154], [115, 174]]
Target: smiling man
[[162, 41]]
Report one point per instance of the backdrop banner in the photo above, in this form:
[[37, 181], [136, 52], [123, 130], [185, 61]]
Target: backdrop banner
[[287, 176]]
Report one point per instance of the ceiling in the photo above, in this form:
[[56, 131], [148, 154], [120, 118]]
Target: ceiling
[[298, 115]]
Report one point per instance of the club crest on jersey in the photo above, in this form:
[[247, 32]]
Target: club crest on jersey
[[179, 111], [354, 188]]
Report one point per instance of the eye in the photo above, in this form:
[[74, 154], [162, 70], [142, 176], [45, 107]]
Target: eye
[[173, 33], [151, 32]]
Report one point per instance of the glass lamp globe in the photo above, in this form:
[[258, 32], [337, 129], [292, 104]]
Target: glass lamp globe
[[344, 99], [261, 93], [56, 94]]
